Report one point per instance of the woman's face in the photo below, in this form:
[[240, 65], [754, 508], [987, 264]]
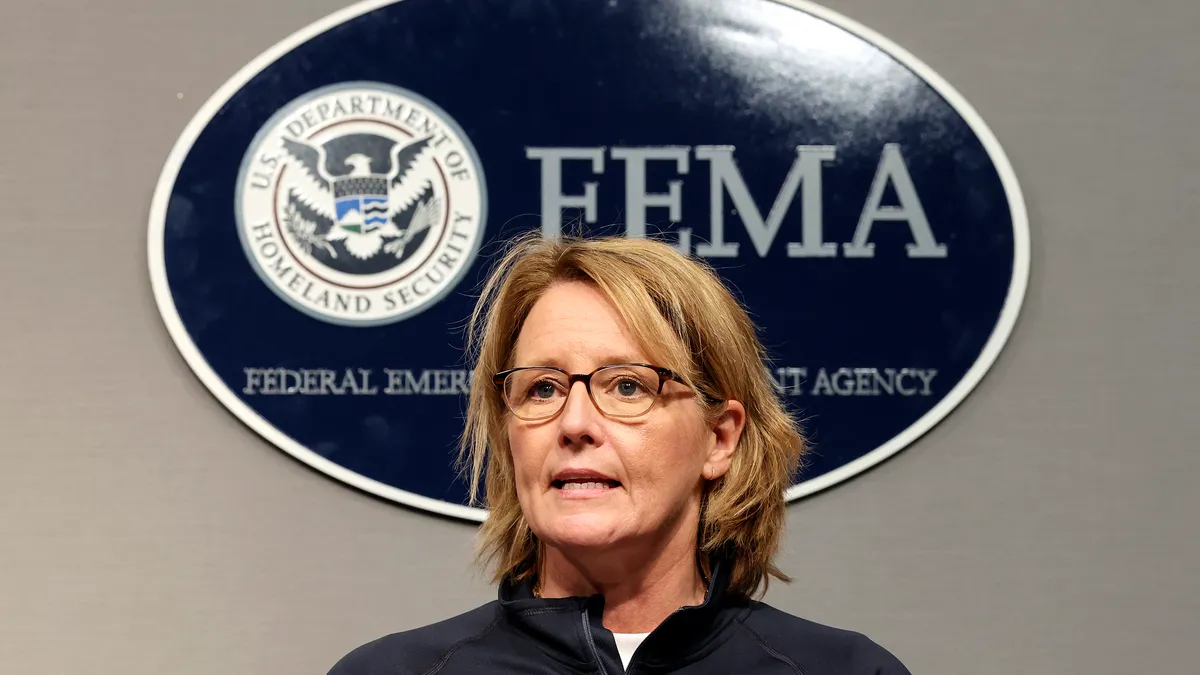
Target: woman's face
[[645, 473]]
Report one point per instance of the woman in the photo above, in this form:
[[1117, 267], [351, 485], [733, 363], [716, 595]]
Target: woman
[[634, 456]]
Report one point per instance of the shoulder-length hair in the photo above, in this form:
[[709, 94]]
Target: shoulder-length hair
[[685, 319]]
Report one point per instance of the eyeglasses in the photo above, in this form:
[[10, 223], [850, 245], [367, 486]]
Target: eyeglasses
[[619, 390]]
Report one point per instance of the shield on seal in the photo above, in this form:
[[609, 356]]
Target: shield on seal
[[361, 202]]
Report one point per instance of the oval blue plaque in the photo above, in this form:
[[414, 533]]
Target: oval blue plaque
[[320, 227]]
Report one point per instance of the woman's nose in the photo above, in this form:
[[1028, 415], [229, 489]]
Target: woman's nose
[[580, 420]]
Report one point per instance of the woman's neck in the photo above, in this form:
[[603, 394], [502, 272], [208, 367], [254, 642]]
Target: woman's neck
[[642, 583]]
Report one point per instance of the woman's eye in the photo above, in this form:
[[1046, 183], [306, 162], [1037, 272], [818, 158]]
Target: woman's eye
[[628, 387], [543, 389]]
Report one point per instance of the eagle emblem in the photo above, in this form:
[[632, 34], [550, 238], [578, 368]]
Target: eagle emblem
[[355, 207], [360, 203]]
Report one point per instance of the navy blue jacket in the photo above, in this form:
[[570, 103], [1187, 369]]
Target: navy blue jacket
[[518, 633]]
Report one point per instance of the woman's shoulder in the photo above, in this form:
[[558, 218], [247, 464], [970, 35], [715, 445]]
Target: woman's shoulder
[[816, 648], [417, 649]]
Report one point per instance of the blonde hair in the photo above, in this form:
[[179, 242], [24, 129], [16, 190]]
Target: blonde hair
[[686, 320]]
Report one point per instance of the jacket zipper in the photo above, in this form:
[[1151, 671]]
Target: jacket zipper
[[587, 632]]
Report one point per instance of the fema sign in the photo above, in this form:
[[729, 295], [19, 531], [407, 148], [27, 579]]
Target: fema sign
[[321, 227]]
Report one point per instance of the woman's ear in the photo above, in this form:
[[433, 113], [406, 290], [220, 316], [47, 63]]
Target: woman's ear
[[726, 432]]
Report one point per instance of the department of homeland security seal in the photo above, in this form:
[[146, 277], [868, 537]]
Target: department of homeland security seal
[[360, 203]]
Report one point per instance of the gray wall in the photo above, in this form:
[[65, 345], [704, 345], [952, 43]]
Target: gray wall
[[1042, 528]]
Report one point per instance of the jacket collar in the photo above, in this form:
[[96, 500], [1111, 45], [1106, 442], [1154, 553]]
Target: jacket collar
[[571, 629]]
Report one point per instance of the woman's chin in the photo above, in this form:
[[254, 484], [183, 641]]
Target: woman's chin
[[582, 531]]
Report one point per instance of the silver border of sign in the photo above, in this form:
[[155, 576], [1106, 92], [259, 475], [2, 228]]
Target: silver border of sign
[[166, 307]]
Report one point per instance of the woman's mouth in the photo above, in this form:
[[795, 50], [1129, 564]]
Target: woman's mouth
[[584, 487], [577, 484]]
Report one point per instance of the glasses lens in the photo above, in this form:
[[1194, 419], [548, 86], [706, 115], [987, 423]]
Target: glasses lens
[[535, 393], [625, 390]]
